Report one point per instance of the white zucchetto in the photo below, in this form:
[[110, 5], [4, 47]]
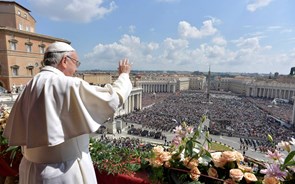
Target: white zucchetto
[[59, 47]]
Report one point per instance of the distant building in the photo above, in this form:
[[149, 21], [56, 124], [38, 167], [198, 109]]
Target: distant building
[[21, 49], [235, 85], [182, 84], [283, 87], [197, 83], [170, 84], [157, 86], [96, 78]]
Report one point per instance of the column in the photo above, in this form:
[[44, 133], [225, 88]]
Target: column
[[293, 114], [140, 101]]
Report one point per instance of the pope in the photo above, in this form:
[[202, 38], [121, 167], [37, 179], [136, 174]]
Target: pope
[[55, 113]]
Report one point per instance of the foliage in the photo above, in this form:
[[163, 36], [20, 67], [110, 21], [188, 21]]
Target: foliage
[[114, 160]]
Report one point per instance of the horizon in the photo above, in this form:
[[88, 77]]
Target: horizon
[[248, 36]]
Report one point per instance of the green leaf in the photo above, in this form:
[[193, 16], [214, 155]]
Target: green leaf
[[290, 163], [289, 157], [11, 148], [189, 148]]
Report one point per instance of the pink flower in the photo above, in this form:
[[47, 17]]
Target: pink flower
[[190, 129], [178, 129], [276, 155], [273, 170], [176, 141]]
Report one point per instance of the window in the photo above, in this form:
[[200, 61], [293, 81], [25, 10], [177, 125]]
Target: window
[[30, 68], [42, 48], [29, 48], [27, 28], [18, 12], [12, 46], [12, 43], [20, 26], [25, 15], [14, 69]]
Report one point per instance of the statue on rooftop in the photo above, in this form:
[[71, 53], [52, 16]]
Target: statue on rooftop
[[292, 71]]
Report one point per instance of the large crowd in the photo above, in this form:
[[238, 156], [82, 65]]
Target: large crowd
[[126, 142], [240, 116]]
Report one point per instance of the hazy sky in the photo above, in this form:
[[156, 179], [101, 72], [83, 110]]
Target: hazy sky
[[187, 35]]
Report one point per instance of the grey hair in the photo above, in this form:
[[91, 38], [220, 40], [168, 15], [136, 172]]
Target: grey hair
[[53, 58]]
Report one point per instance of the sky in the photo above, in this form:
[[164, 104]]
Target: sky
[[248, 36]]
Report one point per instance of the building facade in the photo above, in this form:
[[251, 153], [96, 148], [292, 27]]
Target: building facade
[[171, 84], [197, 83], [271, 90], [256, 88], [96, 78], [157, 86], [21, 49]]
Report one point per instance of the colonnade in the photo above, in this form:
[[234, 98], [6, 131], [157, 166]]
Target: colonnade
[[268, 92], [133, 102], [158, 86]]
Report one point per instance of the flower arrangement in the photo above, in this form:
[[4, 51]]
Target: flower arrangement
[[4, 114], [189, 160], [11, 154], [282, 168]]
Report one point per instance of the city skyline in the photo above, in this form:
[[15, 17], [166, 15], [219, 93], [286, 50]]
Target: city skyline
[[247, 36]]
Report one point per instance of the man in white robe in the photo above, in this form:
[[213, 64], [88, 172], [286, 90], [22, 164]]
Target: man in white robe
[[52, 119]]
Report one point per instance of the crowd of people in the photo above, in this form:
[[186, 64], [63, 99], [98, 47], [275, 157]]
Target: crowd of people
[[281, 110], [126, 142], [240, 116]]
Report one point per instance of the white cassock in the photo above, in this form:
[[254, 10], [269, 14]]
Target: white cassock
[[52, 119]]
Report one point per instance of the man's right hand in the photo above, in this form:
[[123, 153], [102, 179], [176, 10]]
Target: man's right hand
[[124, 66]]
